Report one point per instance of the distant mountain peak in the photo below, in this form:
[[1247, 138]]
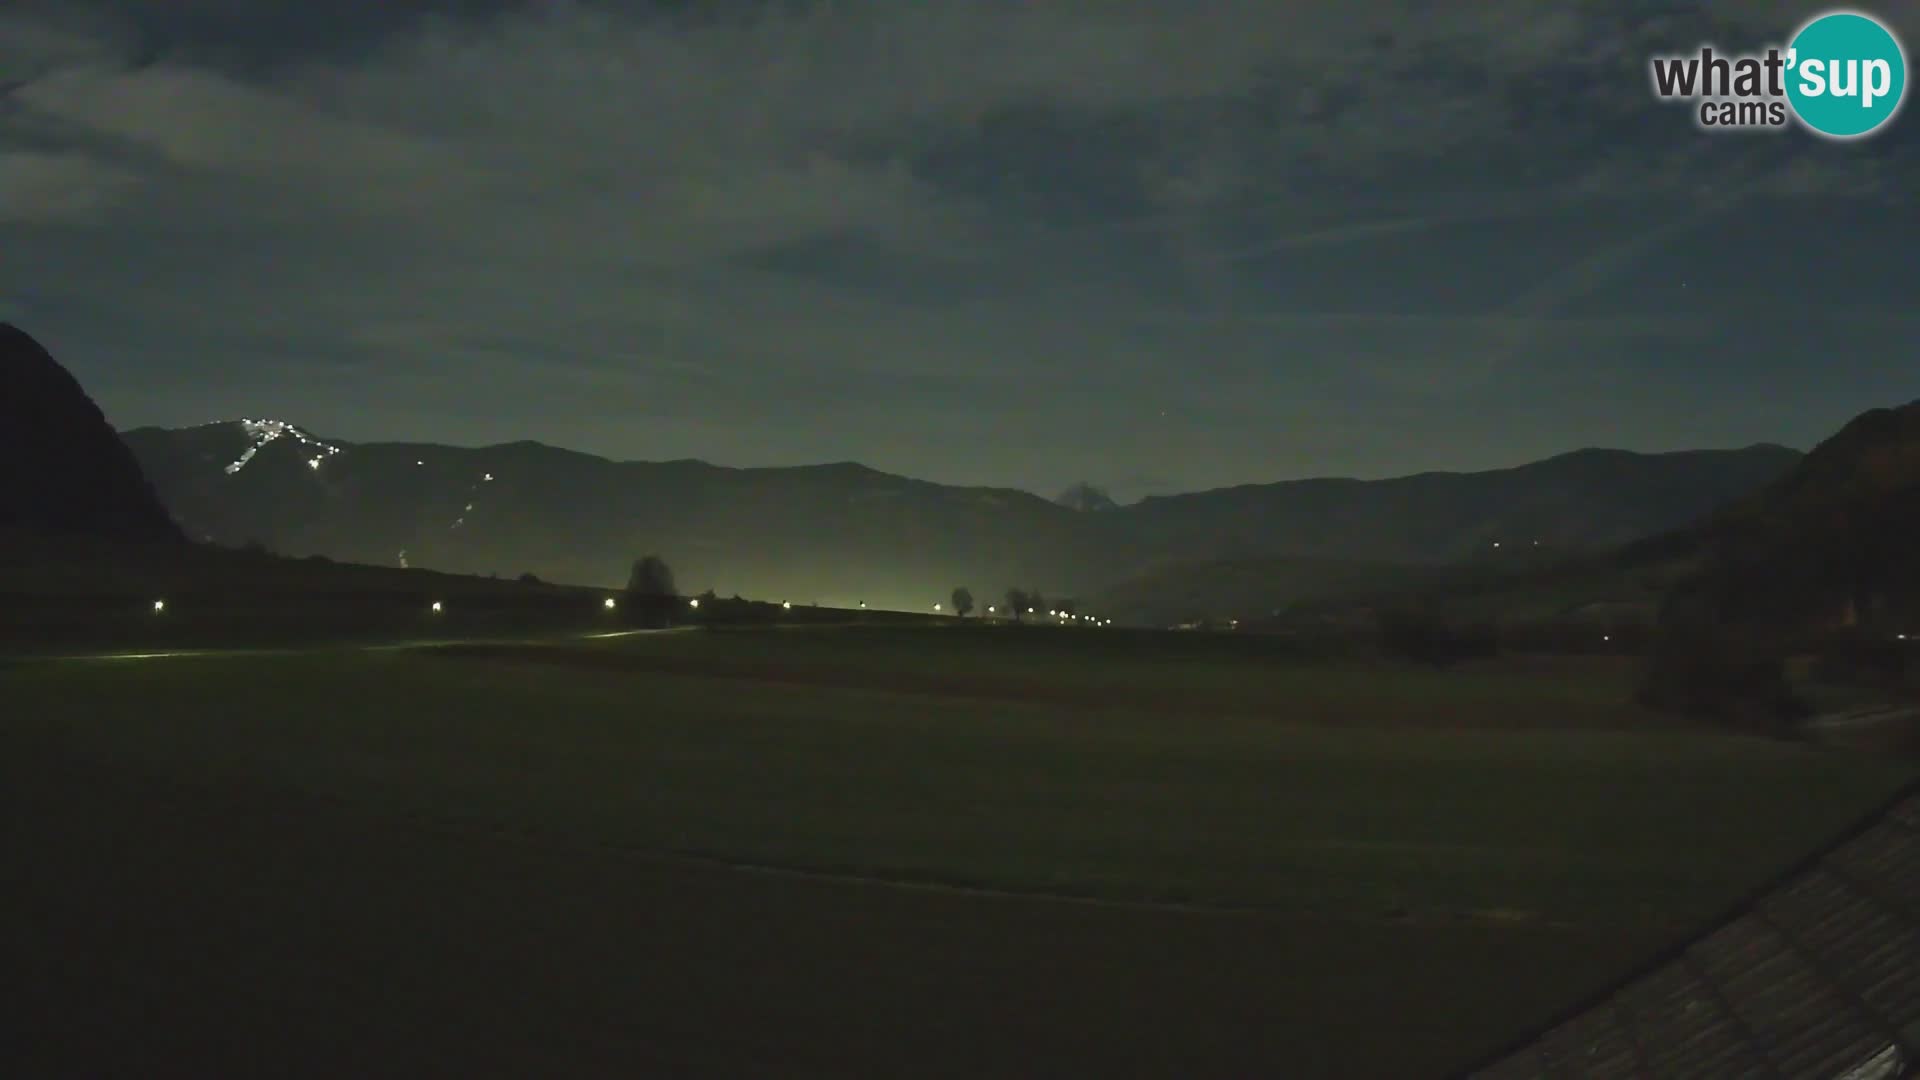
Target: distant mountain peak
[[1086, 497]]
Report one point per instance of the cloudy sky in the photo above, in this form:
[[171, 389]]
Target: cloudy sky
[[1155, 245]]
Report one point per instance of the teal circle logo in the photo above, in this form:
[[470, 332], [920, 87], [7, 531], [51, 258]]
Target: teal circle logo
[[1846, 76]]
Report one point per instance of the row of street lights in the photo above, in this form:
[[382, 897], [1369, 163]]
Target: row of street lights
[[438, 607]]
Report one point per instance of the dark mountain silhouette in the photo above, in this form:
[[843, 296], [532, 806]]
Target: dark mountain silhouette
[[1822, 559], [843, 533], [63, 469], [1832, 542], [1583, 499]]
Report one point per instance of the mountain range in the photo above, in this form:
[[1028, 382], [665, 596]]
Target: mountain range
[[843, 534]]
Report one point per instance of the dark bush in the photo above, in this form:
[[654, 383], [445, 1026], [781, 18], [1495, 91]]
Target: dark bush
[[1722, 676], [1869, 659], [1429, 638]]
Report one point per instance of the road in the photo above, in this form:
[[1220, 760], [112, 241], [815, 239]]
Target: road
[[308, 650]]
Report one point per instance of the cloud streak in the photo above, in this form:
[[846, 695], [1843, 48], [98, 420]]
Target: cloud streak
[[830, 230]]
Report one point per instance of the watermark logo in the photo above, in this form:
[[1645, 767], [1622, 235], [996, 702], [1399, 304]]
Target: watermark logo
[[1843, 75]]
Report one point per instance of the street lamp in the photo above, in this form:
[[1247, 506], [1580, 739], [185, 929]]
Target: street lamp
[[609, 604], [437, 608], [695, 602], [786, 605], [159, 606], [936, 607]]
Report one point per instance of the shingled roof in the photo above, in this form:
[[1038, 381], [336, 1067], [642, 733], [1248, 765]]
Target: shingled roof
[[1816, 976]]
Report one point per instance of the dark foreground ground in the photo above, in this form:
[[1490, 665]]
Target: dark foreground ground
[[504, 862], [252, 933]]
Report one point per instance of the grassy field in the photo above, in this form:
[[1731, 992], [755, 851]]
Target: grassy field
[[907, 851]]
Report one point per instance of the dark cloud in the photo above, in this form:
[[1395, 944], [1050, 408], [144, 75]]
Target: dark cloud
[[981, 241]]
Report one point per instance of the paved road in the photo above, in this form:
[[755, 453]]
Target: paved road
[[307, 650]]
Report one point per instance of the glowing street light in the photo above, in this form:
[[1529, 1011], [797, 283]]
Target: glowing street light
[[936, 607], [437, 607], [609, 604], [989, 609], [159, 606], [1029, 611], [695, 602], [786, 605]]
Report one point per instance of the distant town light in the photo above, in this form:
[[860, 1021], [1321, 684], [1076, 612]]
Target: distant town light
[[863, 604], [695, 602], [1496, 543], [1029, 611], [936, 607], [487, 478], [609, 604], [419, 463], [989, 609], [159, 606], [437, 606], [313, 463], [786, 605], [1606, 637]]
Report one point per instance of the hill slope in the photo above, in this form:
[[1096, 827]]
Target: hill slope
[[63, 469], [1830, 543]]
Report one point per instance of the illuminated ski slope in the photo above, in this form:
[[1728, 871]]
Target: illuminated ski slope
[[262, 432]]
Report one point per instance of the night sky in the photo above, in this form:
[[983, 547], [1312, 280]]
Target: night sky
[[1158, 246]]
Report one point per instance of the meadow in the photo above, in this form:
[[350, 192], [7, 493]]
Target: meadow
[[879, 850]]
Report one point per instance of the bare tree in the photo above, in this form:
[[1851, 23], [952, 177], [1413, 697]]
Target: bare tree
[[963, 601]]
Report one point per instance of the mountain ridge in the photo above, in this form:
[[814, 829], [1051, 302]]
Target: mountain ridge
[[851, 465], [844, 532]]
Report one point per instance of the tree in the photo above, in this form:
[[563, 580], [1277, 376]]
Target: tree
[[1018, 602], [650, 577], [963, 601], [651, 599], [530, 578]]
